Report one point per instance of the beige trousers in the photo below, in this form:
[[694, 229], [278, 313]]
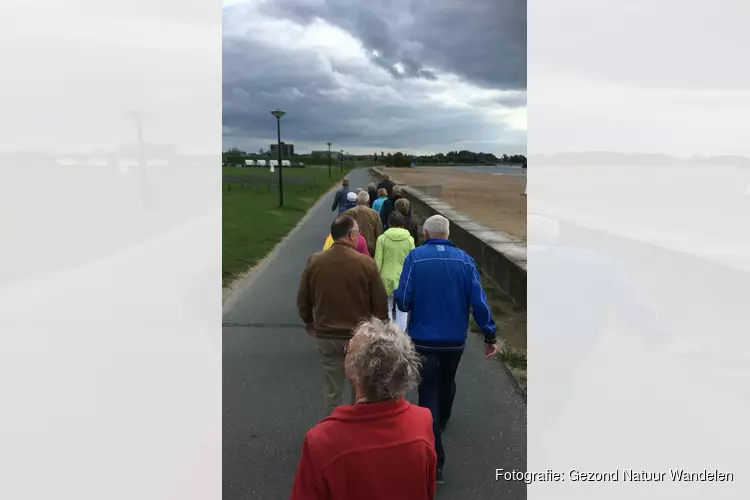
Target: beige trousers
[[332, 355]]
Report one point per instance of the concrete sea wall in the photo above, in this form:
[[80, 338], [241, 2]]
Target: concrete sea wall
[[501, 257]]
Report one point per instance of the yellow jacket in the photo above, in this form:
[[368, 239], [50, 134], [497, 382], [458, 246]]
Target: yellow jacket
[[361, 245], [392, 248]]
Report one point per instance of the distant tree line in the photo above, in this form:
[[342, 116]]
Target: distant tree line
[[235, 156], [452, 157]]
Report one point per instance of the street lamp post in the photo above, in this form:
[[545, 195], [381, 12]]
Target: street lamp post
[[342, 161], [329, 160], [278, 114]]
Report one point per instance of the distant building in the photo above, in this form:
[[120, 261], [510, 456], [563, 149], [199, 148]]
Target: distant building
[[320, 154], [286, 149]]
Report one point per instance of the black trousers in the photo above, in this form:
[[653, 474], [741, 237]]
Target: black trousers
[[437, 390]]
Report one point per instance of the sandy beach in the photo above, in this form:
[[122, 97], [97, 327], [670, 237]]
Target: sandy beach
[[494, 200]]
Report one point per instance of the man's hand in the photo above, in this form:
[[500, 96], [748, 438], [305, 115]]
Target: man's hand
[[310, 329], [490, 350]]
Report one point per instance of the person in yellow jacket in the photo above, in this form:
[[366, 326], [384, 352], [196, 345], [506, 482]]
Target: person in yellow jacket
[[390, 252], [361, 244]]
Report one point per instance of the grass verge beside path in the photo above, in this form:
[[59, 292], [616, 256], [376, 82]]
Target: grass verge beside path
[[253, 223], [511, 331]]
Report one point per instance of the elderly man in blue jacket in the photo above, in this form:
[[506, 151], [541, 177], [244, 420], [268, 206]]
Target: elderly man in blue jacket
[[438, 285]]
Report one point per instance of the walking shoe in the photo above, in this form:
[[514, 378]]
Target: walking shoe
[[439, 476]]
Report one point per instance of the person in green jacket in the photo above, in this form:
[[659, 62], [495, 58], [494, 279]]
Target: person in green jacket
[[391, 250]]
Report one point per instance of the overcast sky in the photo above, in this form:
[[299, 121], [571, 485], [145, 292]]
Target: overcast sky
[[417, 76]]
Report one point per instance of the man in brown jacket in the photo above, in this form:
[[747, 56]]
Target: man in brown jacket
[[339, 288], [367, 219]]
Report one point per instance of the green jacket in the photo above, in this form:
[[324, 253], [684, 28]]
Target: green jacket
[[390, 252]]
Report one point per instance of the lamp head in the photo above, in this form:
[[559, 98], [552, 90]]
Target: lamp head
[[278, 113]]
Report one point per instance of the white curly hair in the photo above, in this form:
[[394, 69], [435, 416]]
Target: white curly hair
[[386, 365]]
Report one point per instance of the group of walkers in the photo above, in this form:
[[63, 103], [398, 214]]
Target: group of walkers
[[384, 199], [388, 311], [386, 232]]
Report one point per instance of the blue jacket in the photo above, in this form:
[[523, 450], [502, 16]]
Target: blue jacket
[[340, 201], [379, 203], [438, 285]]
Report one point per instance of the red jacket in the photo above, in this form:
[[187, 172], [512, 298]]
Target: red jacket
[[361, 245], [373, 451]]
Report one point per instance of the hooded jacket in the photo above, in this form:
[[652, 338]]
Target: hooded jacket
[[390, 252]]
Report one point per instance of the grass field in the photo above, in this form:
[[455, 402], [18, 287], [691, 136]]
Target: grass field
[[252, 221]]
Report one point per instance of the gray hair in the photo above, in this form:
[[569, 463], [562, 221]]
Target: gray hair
[[386, 365], [372, 187], [437, 225], [396, 190], [363, 198]]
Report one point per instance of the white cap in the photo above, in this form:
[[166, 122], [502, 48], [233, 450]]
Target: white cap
[[352, 196]]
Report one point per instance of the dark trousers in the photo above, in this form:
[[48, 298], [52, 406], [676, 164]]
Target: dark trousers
[[438, 390]]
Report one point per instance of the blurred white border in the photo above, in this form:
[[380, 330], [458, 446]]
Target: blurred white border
[[638, 350], [109, 302]]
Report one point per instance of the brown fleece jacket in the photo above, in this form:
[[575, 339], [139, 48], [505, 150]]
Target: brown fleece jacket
[[369, 224], [340, 288]]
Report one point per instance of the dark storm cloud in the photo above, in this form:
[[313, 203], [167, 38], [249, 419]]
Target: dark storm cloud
[[258, 78], [483, 41]]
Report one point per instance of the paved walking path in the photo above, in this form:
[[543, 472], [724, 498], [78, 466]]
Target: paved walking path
[[273, 390]]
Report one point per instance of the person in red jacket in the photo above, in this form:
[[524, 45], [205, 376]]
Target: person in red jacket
[[381, 447]]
